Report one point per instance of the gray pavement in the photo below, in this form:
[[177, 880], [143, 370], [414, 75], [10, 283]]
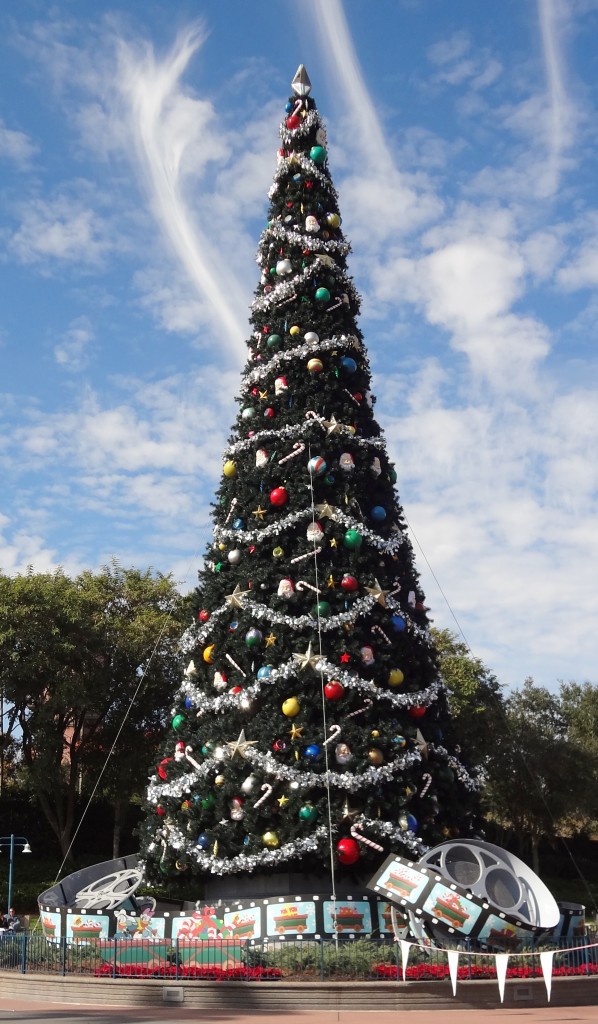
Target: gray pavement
[[26, 1012]]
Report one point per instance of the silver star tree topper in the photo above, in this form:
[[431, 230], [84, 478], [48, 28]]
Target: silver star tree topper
[[301, 84]]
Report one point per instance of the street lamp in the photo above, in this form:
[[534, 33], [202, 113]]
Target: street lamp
[[11, 842]]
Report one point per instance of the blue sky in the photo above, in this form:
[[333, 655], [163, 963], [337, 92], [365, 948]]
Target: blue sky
[[137, 145]]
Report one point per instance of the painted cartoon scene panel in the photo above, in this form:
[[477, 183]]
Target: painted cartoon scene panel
[[51, 924], [87, 929], [291, 918], [404, 882], [500, 934], [384, 911], [143, 926], [203, 925], [454, 910], [347, 916], [244, 924]]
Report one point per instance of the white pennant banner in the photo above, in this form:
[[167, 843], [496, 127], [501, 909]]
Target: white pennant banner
[[405, 947], [546, 965], [453, 963], [502, 962]]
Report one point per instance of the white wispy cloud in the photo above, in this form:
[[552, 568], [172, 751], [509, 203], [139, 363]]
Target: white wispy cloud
[[16, 146], [60, 230], [170, 128], [72, 350]]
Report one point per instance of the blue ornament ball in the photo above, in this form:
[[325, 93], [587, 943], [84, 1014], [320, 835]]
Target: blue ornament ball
[[265, 671], [412, 823], [188, 702], [348, 364], [288, 107], [312, 751], [317, 466], [203, 841], [238, 524], [378, 514], [398, 623]]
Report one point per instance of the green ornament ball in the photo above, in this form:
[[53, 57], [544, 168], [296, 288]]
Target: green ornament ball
[[308, 813], [322, 609], [178, 721], [318, 154], [274, 342], [322, 295], [353, 540], [393, 476], [208, 802]]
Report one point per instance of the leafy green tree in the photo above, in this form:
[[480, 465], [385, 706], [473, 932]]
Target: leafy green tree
[[534, 776], [477, 701], [74, 654]]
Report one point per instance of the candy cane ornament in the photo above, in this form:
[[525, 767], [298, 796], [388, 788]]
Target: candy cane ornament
[[360, 711], [335, 731], [378, 629], [428, 779], [238, 667], [362, 839], [266, 790], [232, 508], [188, 752], [308, 554], [302, 585], [297, 449]]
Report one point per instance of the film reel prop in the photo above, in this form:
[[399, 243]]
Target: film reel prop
[[469, 889]]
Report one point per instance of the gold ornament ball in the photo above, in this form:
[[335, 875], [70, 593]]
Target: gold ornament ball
[[278, 553], [374, 734], [291, 707], [294, 330], [270, 839], [350, 428], [222, 547], [229, 469], [376, 756], [333, 220], [219, 780], [208, 654], [395, 677]]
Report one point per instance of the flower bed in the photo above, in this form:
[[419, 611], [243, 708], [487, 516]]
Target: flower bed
[[189, 971], [431, 972]]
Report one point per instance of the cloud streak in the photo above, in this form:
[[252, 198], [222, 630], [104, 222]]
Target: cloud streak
[[559, 109], [168, 127]]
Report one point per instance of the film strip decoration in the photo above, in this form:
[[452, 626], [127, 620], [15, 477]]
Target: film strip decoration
[[309, 916], [437, 901]]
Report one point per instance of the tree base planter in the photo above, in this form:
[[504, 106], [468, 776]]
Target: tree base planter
[[260, 997]]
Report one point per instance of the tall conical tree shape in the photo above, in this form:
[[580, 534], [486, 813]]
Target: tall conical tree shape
[[312, 708]]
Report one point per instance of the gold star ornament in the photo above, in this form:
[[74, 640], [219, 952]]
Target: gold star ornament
[[307, 660], [377, 592], [325, 511], [259, 512], [235, 600], [270, 640], [238, 748]]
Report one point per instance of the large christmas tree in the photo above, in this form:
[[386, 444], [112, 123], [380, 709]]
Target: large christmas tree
[[311, 712]]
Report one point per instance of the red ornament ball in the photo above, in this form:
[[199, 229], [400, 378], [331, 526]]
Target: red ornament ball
[[347, 851], [160, 811], [237, 689], [269, 413], [349, 583], [334, 690], [279, 496], [204, 615], [417, 712], [293, 122]]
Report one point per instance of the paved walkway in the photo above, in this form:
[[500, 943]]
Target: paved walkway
[[23, 1011]]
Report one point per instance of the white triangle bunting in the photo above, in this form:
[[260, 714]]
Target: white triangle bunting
[[453, 963], [546, 964], [501, 961], [405, 947]]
